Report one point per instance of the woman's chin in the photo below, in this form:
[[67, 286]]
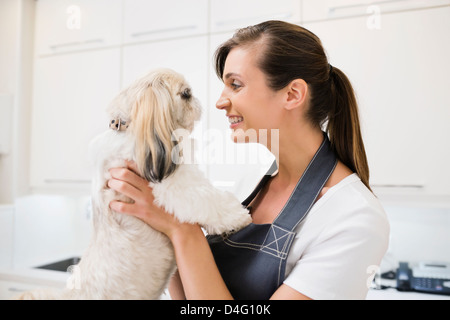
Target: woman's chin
[[241, 135]]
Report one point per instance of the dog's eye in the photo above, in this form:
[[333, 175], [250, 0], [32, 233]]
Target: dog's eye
[[186, 94]]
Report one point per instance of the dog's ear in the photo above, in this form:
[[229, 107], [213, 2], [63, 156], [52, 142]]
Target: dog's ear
[[152, 127]]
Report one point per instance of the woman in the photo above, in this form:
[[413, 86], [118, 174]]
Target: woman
[[317, 228]]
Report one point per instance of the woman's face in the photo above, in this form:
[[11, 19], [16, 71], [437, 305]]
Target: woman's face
[[249, 103]]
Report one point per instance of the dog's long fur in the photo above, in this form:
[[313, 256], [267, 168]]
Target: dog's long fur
[[127, 259]]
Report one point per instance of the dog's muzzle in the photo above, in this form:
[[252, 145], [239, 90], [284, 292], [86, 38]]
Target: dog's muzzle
[[118, 124]]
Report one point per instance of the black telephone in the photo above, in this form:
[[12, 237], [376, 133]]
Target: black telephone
[[426, 277]]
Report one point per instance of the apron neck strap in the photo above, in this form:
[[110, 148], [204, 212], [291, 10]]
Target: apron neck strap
[[307, 189]]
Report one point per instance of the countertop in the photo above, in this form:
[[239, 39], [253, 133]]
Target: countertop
[[35, 276], [31, 278], [394, 294]]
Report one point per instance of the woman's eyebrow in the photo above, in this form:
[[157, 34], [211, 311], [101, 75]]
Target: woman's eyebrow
[[231, 74]]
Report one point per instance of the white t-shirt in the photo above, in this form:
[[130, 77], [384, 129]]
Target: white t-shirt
[[339, 243]]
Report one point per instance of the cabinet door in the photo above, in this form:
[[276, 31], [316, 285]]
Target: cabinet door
[[313, 10], [68, 25], [400, 74], [233, 14], [6, 236], [10, 289], [151, 19], [71, 93]]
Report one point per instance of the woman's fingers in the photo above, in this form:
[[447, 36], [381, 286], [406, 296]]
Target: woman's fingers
[[122, 207], [127, 175], [132, 166], [127, 182], [124, 188]]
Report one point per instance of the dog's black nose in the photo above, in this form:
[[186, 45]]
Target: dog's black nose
[[186, 94]]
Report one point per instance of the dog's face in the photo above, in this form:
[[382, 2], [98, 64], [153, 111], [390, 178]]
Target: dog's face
[[153, 107]]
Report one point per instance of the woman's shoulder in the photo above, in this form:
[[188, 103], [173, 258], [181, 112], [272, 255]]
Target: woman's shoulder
[[350, 202], [345, 232]]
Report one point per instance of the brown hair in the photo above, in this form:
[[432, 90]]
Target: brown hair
[[291, 52]]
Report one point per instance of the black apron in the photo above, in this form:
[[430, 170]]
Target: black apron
[[252, 261]]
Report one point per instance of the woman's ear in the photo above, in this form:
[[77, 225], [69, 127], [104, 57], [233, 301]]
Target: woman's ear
[[297, 91]]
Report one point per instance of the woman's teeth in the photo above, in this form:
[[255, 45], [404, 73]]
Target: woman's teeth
[[235, 119]]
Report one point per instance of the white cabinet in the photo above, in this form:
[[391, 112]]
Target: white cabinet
[[153, 19], [71, 93], [15, 281], [10, 289], [313, 10], [6, 235], [233, 14], [397, 68], [400, 74], [68, 25]]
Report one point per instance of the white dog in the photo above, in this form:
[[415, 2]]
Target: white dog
[[127, 259]]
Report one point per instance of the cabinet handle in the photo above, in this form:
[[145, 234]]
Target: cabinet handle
[[387, 5], [150, 32], [77, 43], [331, 9], [13, 289], [66, 181], [407, 186]]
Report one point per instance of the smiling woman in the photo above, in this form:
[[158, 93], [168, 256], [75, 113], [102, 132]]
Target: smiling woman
[[285, 52], [277, 76], [316, 227]]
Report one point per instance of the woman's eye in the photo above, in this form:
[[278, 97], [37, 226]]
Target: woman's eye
[[235, 85]]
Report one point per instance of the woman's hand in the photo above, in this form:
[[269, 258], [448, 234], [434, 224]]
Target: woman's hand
[[127, 182], [191, 248]]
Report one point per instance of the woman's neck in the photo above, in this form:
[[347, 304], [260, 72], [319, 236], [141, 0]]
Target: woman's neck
[[295, 152]]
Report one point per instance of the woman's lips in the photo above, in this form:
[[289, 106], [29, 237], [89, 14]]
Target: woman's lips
[[235, 121]]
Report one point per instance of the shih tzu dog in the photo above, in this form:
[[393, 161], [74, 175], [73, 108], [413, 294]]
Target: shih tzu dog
[[126, 258]]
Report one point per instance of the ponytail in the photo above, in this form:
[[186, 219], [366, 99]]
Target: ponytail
[[291, 52], [343, 125]]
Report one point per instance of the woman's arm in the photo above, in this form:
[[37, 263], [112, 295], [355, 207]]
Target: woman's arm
[[284, 292], [199, 274], [176, 289], [197, 269]]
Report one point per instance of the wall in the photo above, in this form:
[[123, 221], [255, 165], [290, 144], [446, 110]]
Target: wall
[[6, 236], [9, 33], [16, 48], [419, 232]]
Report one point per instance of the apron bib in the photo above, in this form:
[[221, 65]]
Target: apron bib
[[252, 261]]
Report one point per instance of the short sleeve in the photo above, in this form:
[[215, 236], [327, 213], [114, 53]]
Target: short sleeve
[[339, 263]]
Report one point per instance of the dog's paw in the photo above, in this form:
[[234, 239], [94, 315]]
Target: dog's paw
[[229, 222]]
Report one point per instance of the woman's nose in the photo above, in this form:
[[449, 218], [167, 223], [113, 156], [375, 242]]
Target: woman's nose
[[223, 103]]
